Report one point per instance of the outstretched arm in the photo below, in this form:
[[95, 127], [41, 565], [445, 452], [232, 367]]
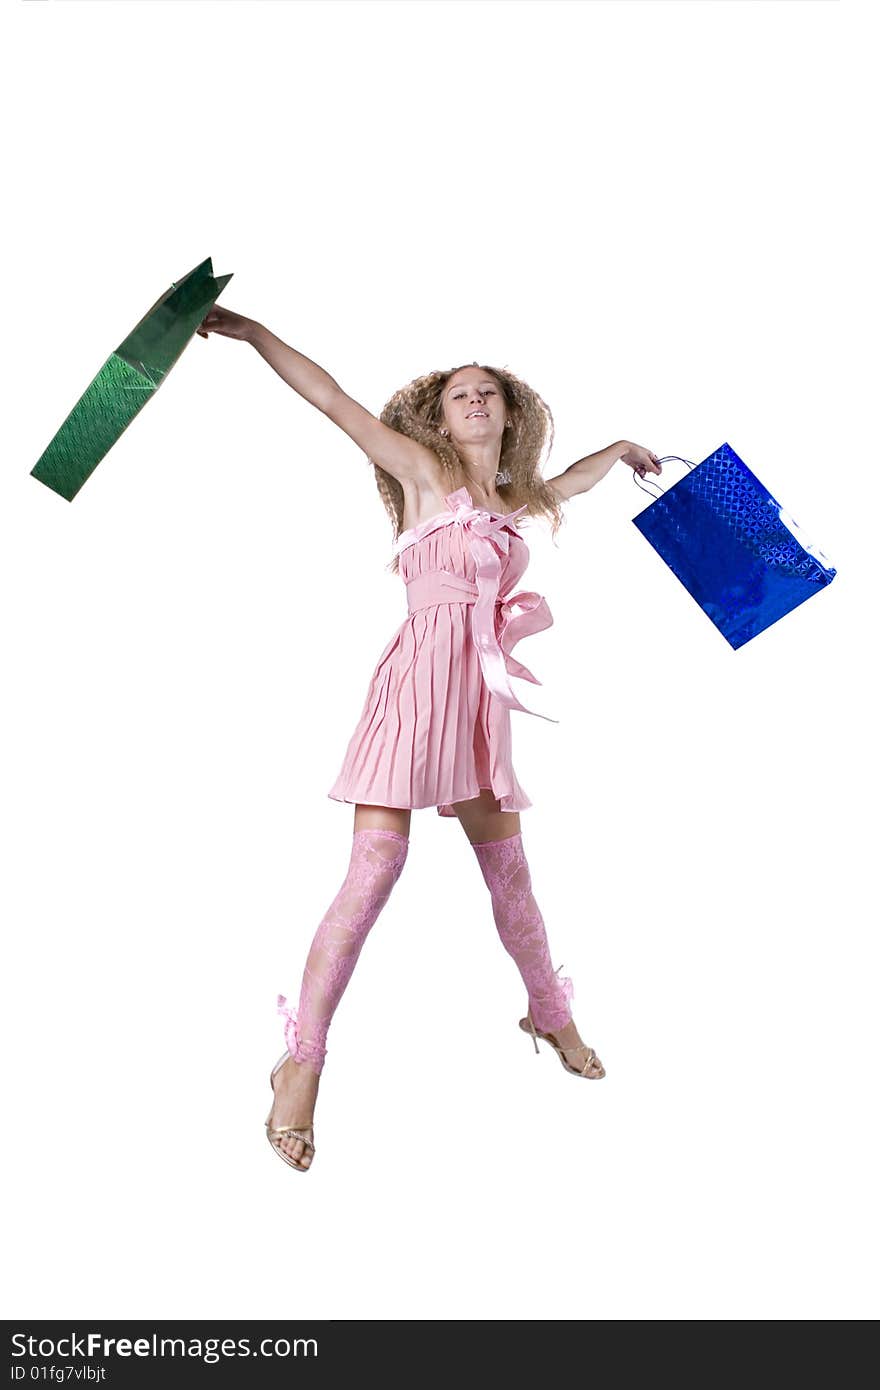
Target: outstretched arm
[[399, 455], [395, 452], [305, 376], [584, 474]]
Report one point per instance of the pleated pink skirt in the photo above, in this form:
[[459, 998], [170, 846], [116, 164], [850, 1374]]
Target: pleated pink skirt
[[432, 731]]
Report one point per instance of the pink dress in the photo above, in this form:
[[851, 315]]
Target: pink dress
[[435, 725]]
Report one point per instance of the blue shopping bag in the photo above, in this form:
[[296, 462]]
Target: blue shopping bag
[[732, 546]]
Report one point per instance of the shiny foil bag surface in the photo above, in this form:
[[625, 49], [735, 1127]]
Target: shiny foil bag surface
[[734, 548]]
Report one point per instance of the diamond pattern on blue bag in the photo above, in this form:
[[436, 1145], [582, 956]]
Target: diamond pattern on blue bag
[[735, 494], [731, 545]]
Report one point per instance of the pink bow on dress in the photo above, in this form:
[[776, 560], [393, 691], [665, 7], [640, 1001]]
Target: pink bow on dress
[[489, 542]]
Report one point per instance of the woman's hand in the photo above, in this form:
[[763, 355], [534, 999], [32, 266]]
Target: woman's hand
[[229, 325], [641, 460]]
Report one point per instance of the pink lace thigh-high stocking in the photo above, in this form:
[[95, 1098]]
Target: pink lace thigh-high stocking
[[377, 859], [521, 928]]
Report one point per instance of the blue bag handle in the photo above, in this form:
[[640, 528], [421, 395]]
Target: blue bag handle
[[666, 459]]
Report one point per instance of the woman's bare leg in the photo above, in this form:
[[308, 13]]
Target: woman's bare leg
[[496, 838], [382, 818], [483, 820], [380, 841]]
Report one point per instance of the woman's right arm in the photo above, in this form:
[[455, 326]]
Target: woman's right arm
[[399, 455], [305, 376]]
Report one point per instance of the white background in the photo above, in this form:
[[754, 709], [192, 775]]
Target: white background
[[657, 215]]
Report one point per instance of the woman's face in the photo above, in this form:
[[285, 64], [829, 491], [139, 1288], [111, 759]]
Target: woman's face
[[473, 407]]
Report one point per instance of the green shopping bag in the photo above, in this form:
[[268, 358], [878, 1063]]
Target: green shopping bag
[[129, 377]]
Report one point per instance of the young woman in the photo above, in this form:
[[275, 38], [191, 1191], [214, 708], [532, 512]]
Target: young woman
[[456, 457]]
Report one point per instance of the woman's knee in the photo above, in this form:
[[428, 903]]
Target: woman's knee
[[382, 818], [379, 851], [482, 819]]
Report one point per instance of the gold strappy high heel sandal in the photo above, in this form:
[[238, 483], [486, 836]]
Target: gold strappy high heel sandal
[[592, 1061], [306, 1134]]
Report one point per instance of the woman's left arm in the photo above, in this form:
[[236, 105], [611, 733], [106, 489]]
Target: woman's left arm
[[586, 473]]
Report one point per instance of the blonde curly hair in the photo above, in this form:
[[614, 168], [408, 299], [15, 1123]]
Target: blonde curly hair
[[417, 411]]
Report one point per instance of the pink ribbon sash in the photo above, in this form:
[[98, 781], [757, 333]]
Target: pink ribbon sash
[[495, 638]]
